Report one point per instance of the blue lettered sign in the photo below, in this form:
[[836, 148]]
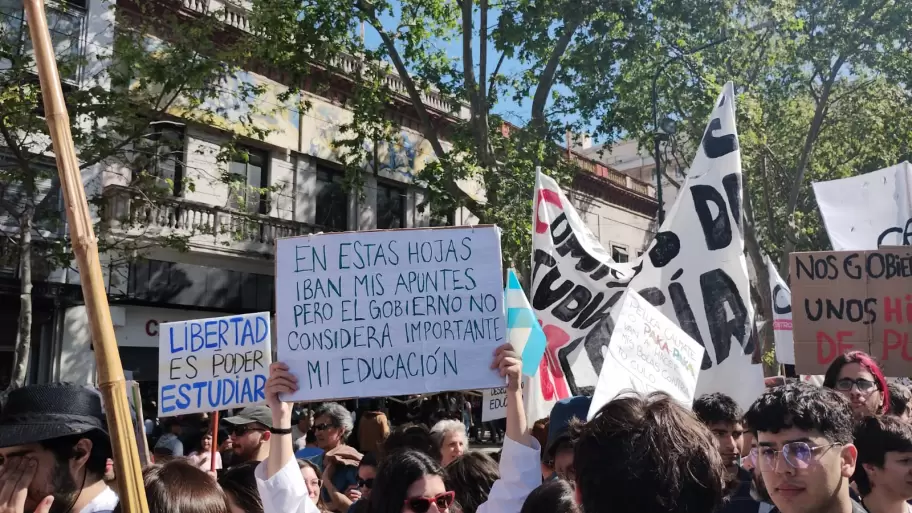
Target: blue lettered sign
[[213, 364], [390, 312]]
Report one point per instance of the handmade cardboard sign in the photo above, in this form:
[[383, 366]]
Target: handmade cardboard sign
[[648, 353], [852, 300], [494, 403], [390, 312], [213, 364]]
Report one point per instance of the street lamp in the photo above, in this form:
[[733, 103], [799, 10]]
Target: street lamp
[[663, 132]]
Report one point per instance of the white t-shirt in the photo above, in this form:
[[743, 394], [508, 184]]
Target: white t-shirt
[[104, 502]]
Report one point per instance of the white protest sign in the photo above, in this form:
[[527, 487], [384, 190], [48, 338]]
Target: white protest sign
[[494, 403], [213, 364], [648, 353], [864, 212], [694, 272], [390, 312], [782, 316]]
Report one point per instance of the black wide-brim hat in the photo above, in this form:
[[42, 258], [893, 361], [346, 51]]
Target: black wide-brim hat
[[37, 413]]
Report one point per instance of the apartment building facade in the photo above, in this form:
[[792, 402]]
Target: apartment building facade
[[229, 267]]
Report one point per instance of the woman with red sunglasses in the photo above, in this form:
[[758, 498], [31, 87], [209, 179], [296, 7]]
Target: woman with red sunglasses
[[409, 481]]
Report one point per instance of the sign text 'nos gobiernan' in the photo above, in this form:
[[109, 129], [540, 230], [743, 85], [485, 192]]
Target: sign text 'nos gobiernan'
[[852, 300], [390, 312]]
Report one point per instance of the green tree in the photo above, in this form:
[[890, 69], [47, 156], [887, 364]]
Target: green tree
[[565, 56], [821, 96], [151, 65]]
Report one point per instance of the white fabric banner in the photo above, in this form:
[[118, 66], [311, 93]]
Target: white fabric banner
[[864, 212], [695, 273], [782, 316]]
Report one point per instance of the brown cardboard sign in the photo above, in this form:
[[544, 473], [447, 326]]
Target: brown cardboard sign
[[852, 300]]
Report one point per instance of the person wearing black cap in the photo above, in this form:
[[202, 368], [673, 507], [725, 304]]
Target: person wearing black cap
[[250, 434], [54, 437]]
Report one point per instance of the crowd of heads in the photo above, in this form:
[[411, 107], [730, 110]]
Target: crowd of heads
[[800, 447]]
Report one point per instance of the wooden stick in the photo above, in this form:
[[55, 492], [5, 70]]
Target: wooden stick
[[111, 381], [215, 422]]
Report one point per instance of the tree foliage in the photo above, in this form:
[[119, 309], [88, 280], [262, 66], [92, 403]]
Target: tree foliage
[[152, 66], [822, 95], [568, 56]]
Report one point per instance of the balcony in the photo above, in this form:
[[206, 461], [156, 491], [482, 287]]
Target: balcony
[[234, 13], [126, 212], [616, 177]]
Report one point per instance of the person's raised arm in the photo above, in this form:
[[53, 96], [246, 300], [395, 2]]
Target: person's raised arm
[[520, 470], [281, 450], [508, 362]]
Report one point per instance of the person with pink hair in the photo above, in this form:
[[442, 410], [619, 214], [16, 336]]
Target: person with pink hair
[[859, 379]]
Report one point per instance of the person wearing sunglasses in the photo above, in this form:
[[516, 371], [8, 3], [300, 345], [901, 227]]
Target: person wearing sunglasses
[[360, 492], [410, 481], [804, 448], [859, 379], [250, 434], [883, 474]]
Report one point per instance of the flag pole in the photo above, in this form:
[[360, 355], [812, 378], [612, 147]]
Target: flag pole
[[111, 382], [214, 448]]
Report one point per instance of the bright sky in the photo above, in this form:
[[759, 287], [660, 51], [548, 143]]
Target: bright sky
[[515, 112]]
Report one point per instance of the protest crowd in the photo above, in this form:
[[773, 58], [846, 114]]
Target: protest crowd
[[845, 446], [675, 415]]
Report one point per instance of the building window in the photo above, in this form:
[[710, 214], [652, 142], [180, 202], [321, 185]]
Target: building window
[[162, 154], [332, 200], [65, 21], [182, 284], [442, 217], [390, 207], [619, 254], [249, 173]]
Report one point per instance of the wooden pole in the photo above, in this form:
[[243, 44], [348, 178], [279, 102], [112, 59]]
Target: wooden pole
[[214, 448], [111, 381]]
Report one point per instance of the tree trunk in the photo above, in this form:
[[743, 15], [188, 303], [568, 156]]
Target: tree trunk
[[819, 114], [767, 340], [24, 334]]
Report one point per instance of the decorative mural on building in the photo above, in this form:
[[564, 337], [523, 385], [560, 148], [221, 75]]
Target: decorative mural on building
[[402, 158], [241, 95], [248, 95]]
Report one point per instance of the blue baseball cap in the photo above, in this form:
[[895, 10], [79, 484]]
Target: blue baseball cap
[[561, 415]]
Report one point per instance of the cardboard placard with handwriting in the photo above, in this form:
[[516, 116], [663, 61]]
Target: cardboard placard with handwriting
[[852, 300]]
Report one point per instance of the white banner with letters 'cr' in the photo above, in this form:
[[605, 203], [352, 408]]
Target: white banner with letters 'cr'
[[213, 364], [782, 316], [865, 212], [648, 353], [390, 312], [694, 272]]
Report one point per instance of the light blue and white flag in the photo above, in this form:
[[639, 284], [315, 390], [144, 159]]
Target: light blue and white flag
[[523, 330]]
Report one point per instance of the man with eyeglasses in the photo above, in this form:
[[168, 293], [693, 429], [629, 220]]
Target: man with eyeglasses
[[804, 448], [250, 432]]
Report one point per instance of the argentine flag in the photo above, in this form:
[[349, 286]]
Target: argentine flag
[[523, 330]]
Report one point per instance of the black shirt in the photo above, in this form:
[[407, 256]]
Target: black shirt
[[740, 500]]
